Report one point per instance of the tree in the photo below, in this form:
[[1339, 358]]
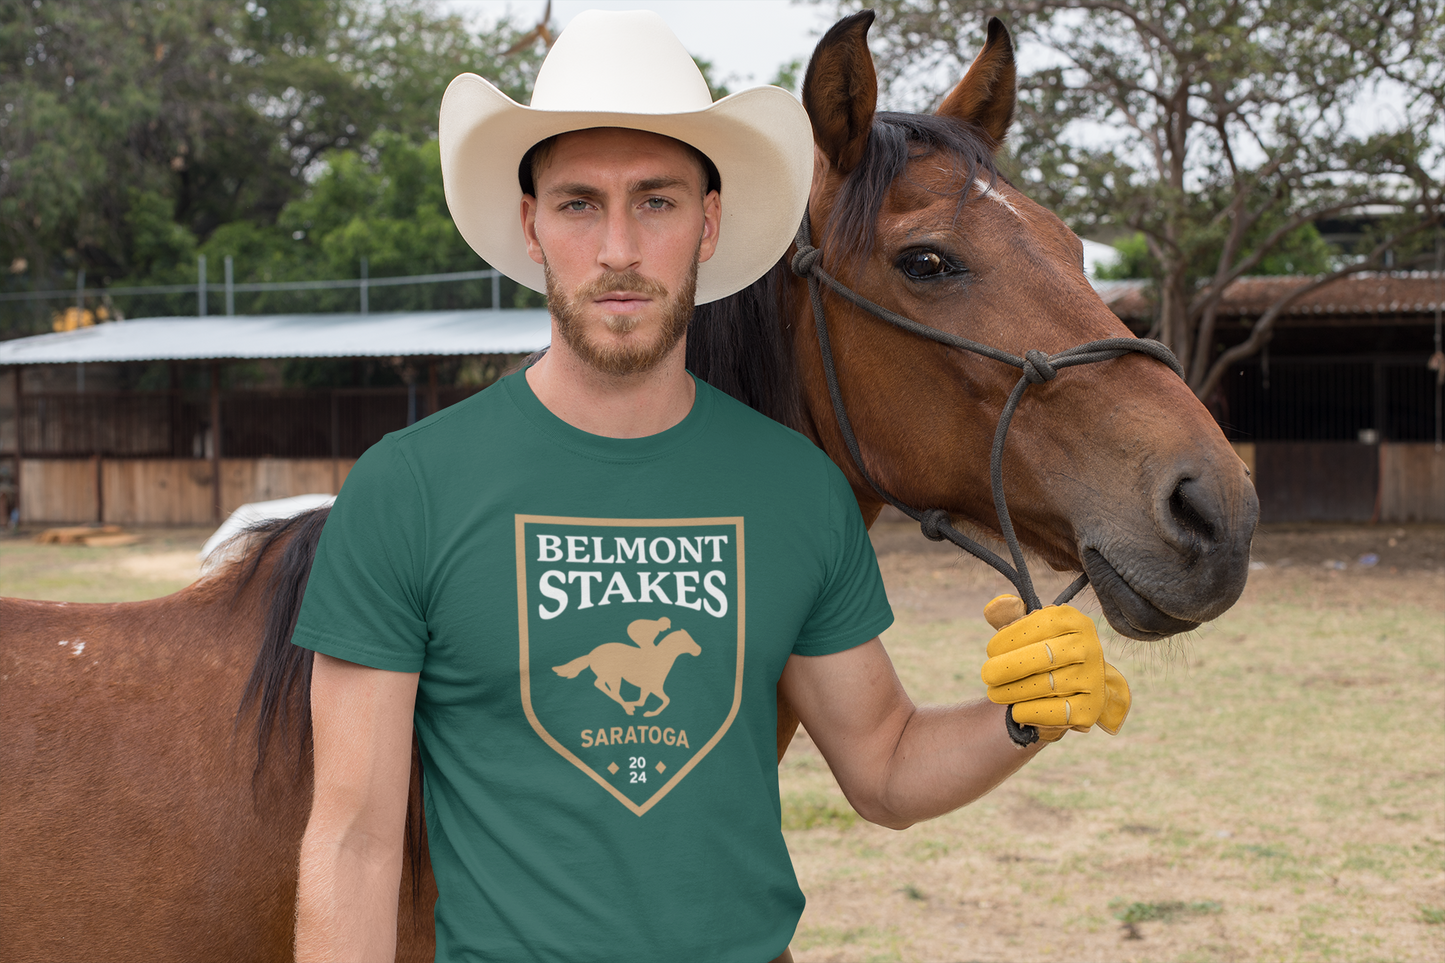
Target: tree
[[1217, 129], [132, 130]]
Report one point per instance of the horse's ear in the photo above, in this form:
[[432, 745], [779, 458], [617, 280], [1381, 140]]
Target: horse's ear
[[986, 94], [840, 91]]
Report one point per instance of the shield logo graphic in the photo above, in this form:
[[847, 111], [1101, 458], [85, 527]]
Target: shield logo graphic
[[631, 644]]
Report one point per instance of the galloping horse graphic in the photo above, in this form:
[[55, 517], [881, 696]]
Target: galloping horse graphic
[[645, 665]]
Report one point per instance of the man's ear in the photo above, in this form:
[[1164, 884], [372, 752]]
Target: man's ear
[[711, 225], [529, 229]]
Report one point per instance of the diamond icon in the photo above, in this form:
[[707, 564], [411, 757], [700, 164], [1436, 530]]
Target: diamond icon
[[612, 768], [662, 767]]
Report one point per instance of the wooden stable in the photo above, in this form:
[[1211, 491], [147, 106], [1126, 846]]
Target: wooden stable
[[1334, 419], [81, 441], [1341, 481], [165, 491]]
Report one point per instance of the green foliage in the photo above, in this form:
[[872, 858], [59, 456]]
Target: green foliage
[[789, 76], [384, 204], [135, 134], [157, 242], [717, 88], [1132, 260], [1301, 251]]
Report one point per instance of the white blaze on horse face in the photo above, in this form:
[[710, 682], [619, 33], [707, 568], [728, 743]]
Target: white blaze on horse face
[[985, 189]]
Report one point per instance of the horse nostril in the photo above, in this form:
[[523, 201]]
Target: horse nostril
[[1194, 518]]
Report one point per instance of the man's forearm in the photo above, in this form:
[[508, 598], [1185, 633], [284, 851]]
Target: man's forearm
[[897, 763], [945, 758], [346, 902]]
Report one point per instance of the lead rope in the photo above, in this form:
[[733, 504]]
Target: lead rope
[[1037, 367]]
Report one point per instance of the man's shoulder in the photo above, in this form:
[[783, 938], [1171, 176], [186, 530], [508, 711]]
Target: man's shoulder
[[752, 427], [487, 411], [476, 423]]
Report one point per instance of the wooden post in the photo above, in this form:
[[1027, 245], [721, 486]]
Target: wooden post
[[431, 386], [99, 489], [19, 431], [335, 445], [216, 442], [178, 444]]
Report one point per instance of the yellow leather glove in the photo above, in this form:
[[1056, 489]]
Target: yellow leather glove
[[1050, 667]]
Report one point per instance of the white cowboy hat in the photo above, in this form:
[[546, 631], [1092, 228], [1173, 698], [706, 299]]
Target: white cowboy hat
[[612, 69]]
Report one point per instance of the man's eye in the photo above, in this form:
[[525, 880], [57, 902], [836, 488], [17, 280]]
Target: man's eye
[[656, 203], [576, 206]]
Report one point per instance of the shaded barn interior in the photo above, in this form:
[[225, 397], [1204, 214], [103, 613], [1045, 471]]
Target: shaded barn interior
[[180, 421], [1339, 414]]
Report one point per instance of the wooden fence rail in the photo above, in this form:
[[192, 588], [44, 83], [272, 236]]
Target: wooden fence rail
[[164, 491]]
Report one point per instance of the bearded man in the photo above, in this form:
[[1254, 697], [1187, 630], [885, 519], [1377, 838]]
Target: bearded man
[[584, 585]]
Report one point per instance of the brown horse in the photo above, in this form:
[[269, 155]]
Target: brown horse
[[136, 824]]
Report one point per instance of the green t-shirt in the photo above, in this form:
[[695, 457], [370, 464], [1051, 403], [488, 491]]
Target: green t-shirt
[[599, 625]]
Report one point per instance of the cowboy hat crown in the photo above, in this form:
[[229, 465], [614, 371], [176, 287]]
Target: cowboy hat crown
[[611, 69]]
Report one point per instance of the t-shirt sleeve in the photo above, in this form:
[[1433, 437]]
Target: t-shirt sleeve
[[852, 606], [363, 599]]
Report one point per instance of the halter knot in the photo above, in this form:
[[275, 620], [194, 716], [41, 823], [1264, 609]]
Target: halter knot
[[932, 522], [803, 261], [1037, 368]]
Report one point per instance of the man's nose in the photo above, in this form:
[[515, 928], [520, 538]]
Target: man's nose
[[620, 250]]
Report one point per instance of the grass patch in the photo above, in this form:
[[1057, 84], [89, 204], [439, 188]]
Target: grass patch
[[815, 811], [1165, 912], [1432, 915], [163, 562], [929, 849], [815, 936]]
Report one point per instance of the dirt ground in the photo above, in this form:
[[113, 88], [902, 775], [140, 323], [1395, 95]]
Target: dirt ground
[[1278, 792]]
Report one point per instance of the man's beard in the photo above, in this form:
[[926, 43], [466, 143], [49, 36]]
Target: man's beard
[[633, 357]]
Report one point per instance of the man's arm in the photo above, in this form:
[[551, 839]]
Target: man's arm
[[352, 852], [896, 763]]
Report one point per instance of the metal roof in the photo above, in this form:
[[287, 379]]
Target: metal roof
[[408, 334], [1408, 296]]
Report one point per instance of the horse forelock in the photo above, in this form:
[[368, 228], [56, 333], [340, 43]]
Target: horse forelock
[[894, 140]]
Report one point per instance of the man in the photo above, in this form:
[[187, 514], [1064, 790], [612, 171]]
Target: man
[[583, 585]]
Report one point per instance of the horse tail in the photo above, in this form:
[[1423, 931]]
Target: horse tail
[[571, 669], [280, 682]]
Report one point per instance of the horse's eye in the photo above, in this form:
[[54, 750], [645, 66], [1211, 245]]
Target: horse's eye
[[922, 265]]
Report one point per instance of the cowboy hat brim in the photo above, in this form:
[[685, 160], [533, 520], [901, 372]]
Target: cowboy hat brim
[[760, 140]]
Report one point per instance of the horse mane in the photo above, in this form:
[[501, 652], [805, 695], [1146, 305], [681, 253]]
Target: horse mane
[[739, 344]]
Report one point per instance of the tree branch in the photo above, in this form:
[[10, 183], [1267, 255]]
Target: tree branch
[[1263, 328]]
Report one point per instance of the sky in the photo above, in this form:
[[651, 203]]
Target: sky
[[746, 40]]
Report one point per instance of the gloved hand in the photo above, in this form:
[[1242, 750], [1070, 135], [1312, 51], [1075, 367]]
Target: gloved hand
[[1050, 667]]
